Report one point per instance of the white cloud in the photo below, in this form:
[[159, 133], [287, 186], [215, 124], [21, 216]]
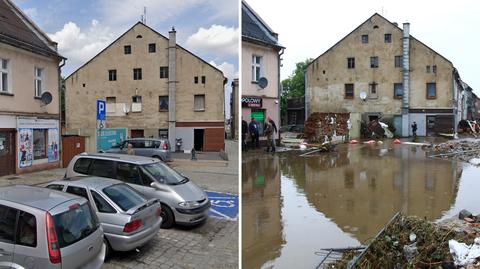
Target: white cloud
[[228, 69], [217, 39], [31, 12], [81, 45]]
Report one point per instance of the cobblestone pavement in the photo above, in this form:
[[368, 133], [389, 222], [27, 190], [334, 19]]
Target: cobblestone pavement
[[214, 244]]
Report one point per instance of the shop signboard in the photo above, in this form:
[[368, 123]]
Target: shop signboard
[[107, 138], [255, 102]]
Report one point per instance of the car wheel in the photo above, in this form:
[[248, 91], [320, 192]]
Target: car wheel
[[168, 217], [108, 249]]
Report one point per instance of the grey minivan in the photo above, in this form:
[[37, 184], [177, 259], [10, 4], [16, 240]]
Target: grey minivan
[[42, 228], [183, 201], [147, 147], [128, 219]]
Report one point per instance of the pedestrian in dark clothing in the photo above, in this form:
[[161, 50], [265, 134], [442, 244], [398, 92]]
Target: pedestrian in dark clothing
[[254, 134], [414, 130], [268, 134], [244, 134], [274, 132]]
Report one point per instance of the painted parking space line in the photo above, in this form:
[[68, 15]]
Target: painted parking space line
[[224, 205]]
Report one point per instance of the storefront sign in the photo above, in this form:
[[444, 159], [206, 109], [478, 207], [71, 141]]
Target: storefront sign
[[53, 145], [251, 102], [107, 138], [25, 147], [33, 123]]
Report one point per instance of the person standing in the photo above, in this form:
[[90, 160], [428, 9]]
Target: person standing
[[274, 133], [130, 150], [253, 129], [244, 134], [268, 134], [414, 130]]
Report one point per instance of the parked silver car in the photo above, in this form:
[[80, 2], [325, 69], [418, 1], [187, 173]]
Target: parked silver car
[[128, 219], [42, 228], [183, 202], [147, 147]]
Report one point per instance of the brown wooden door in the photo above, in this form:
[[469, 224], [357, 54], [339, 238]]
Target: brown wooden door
[[7, 152], [136, 133], [71, 146], [214, 139]]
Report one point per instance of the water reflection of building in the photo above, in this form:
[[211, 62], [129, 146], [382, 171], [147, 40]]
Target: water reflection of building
[[363, 195], [261, 211]]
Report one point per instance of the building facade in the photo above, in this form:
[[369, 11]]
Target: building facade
[[380, 71], [234, 120], [153, 88], [260, 68], [295, 111], [29, 95]]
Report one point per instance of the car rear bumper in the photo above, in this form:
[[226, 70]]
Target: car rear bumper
[[130, 242], [96, 263]]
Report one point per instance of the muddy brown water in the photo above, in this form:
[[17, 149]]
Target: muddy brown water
[[294, 206]]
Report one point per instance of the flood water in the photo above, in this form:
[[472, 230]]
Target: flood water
[[294, 206]]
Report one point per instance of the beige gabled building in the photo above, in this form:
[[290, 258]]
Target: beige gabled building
[[153, 87], [29, 94], [380, 71]]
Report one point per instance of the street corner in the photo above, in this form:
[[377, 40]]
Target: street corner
[[223, 205]]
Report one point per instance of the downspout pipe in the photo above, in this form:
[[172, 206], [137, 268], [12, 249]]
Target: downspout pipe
[[455, 87], [282, 50], [60, 144], [406, 80]]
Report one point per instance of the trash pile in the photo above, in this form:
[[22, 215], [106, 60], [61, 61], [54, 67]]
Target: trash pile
[[320, 126], [413, 242], [467, 150]]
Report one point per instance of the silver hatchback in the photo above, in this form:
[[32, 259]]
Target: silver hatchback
[[128, 219], [42, 228], [147, 147]]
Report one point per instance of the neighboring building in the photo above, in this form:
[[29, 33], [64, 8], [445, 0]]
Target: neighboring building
[[234, 120], [296, 111], [380, 71], [260, 68], [29, 90], [466, 100], [153, 88]]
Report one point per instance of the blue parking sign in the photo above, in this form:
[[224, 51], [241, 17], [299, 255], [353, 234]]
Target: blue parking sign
[[101, 109], [224, 205]]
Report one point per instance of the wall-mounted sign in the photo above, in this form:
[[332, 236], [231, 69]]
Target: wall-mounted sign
[[25, 147], [33, 123], [252, 102]]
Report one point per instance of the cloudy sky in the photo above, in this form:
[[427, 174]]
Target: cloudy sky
[[308, 28], [82, 28]]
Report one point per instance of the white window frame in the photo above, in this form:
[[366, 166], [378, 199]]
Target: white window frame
[[194, 103], [38, 91], [5, 71], [256, 65]]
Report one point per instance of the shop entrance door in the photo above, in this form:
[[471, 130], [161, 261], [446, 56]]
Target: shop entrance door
[[7, 152], [198, 135]]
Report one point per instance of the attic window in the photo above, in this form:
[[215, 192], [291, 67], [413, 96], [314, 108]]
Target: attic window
[[139, 36], [375, 27], [323, 71]]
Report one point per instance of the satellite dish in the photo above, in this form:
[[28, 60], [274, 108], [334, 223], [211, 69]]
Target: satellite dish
[[262, 82], [46, 98], [363, 95]]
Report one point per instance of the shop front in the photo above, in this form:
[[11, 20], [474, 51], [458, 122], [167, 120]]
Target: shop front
[[260, 108], [38, 145]]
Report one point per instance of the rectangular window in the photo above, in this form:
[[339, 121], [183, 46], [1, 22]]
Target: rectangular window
[[112, 75], [204, 79], [428, 69], [4, 75], [163, 71], [38, 81], [364, 39], [163, 101], [136, 103], [102, 168], [350, 63], [256, 67], [163, 133], [111, 104], [431, 90], [349, 92], [26, 230], [137, 74], [195, 80], [39, 144], [152, 47], [127, 49], [398, 61], [374, 62], [7, 229], [372, 88], [199, 102], [434, 69], [79, 191], [388, 38], [398, 90], [136, 99]]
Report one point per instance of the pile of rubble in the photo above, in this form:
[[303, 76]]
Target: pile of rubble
[[467, 150], [318, 126]]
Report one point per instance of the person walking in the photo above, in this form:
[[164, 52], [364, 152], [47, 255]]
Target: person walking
[[268, 134], [244, 134], [253, 129], [414, 130], [274, 133]]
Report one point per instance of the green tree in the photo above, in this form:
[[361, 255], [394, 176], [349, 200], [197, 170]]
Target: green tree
[[294, 85]]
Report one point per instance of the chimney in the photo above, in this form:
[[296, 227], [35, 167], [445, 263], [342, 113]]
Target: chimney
[[172, 80], [406, 79]]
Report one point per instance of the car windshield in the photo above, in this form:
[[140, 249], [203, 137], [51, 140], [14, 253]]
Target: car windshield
[[75, 224], [124, 196], [164, 174]]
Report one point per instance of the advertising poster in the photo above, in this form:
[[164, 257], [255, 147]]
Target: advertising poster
[[53, 145], [25, 147], [107, 138]]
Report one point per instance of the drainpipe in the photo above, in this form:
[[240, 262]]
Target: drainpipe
[[279, 96], [60, 144], [406, 80], [172, 84], [455, 103]]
